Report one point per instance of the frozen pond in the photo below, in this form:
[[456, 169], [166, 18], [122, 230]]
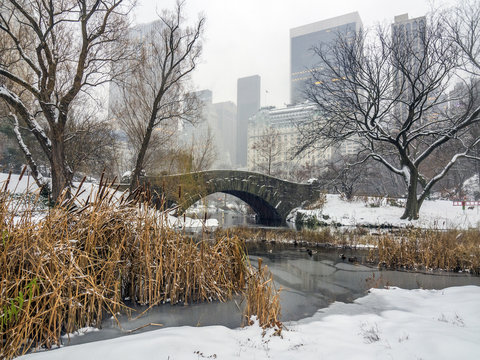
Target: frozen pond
[[308, 282], [313, 282]]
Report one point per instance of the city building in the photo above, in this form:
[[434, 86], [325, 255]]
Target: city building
[[273, 137], [409, 32], [217, 121], [407, 35], [248, 103], [226, 133], [205, 122], [304, 38]]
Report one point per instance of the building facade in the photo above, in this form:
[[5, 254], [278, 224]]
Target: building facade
[[407, 37], [273, 138], [226, 133], [304, 38], [218, 121], [248, 103]]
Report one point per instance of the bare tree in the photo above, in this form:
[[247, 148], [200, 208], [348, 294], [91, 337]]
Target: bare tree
[[267, 150], [463, 28], [155, 91], [90, 142], [386, 93], [55, 50], [343, 177], [203, 152]]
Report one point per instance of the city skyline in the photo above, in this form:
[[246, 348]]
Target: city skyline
[[320, 35], [230, 52]]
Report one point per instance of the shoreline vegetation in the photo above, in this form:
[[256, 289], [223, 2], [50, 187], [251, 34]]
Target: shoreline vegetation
[[84, 260], [403, 249]]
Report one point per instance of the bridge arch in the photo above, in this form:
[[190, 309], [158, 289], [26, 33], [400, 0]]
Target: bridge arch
[[271, 198], [267, 214]]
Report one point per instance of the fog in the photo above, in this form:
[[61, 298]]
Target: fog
[[248, 37]]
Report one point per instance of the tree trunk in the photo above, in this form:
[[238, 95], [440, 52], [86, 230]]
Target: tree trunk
[[412, 206], [140, 158], [60, 179]]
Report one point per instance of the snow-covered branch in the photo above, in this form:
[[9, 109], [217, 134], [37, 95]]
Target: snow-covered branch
[[37, 176]]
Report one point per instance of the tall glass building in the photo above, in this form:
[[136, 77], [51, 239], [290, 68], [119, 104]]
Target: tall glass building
[[248, 103], [302, 40]]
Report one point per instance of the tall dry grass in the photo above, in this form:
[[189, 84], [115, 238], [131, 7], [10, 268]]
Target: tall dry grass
[[263, 300], [71, 267], [325, 236], [452, 250]]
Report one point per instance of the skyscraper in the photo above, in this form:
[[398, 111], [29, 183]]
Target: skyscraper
[[302, 40], [226, 130], [248, 103], [408, 37]]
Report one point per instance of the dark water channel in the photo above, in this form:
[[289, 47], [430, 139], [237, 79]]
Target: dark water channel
[[308, 282]]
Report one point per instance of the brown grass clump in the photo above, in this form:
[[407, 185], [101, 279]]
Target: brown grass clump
[[72, 267], [452, 250], [318, 203], [263, 300], [325, 236]]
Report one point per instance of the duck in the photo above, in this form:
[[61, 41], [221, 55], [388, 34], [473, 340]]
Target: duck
[[352, 259]]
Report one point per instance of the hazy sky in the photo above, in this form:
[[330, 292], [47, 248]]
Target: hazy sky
[[248, 37]]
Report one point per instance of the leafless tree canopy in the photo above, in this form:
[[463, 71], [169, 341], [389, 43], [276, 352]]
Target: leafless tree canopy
[[267, 151], [387, 91], [51, 51], [463, 28], [90, 142], [155, 92]]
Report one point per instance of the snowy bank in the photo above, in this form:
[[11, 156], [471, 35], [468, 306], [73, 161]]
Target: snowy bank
[[385, 324], [434, 214], [27, 185]]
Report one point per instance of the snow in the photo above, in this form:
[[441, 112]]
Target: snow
[[471, 187], [385, 324], [406, 174], [438, 214], [27, 184], [190, 223]]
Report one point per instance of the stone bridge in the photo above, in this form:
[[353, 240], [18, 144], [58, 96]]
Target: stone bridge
[[271, 198]]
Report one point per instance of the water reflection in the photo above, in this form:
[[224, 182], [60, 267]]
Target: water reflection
[[227, 219], [313, 282]]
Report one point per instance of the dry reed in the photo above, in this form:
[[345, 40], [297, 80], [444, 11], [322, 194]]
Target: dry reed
[[70, 268], [325, 236], [263, 300], [452, 250]]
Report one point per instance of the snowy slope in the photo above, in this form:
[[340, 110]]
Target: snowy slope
[[27, 184], [439, 214], [386, 324]]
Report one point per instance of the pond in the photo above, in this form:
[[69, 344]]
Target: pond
[[309, 281]]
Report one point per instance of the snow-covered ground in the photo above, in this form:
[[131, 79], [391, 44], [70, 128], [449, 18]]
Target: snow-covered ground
[[385, 324], [27, 184], [438, 214], [18, 186]]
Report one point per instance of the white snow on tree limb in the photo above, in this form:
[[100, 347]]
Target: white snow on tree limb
[[41, 181]]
